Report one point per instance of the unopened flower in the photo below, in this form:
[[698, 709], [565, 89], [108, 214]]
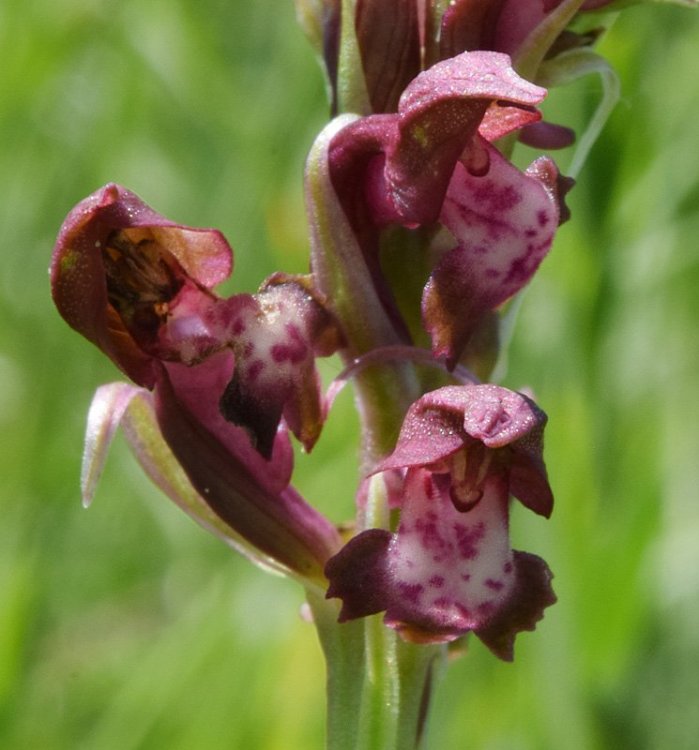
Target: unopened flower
[[372, 49]]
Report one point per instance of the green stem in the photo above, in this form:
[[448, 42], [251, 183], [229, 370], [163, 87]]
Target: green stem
[[417, 671], [352, 95], [381, 689], [343, 648], [396, 691], [378, 687], [340, 272]]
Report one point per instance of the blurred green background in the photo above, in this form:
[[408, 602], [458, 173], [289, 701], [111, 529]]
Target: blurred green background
[[127, 626]]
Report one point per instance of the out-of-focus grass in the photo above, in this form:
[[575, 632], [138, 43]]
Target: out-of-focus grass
[[127, 627]]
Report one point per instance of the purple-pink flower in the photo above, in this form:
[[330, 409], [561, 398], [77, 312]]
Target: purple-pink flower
[[448, 568], [431, 167], [224, 372], [140, 287]]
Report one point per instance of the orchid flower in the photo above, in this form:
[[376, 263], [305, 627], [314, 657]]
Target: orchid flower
[[431, 168], [140, 288], [448, 569]]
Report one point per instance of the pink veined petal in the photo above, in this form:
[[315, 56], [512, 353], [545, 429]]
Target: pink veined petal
[[451, 571], [107, 409], [504, 223], [275, 335], [444, 572]]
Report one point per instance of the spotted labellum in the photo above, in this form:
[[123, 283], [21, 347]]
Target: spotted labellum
[[448, 569]]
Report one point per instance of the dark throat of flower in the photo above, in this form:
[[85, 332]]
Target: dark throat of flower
[[142, 279]]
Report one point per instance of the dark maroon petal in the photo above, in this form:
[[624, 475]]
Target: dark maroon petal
[[389, 45], [250, 494], [528, 479], [530, 597], [79, 289], [504, 222], [469, 25], [440, 113], [518, 18], [547, 135], [358, 575]]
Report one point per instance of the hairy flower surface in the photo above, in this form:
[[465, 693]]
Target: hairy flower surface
[[448, 568]]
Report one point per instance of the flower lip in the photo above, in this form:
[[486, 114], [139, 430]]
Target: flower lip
[[444, 571]]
